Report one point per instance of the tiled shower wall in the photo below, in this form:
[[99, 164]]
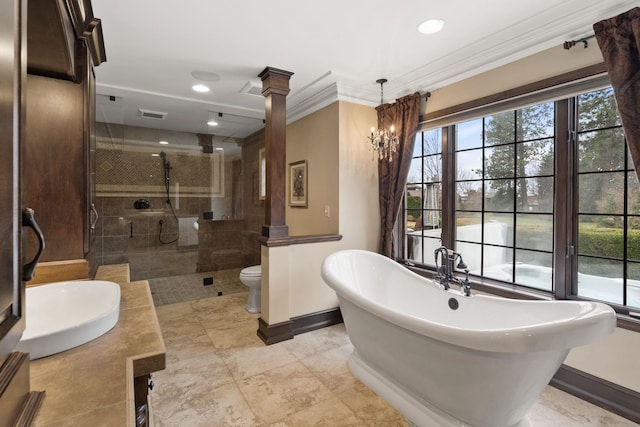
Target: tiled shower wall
[[125, 174]]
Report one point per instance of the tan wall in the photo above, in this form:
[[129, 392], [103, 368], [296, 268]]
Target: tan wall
[[609, 359], [314, 138], [548, 63]]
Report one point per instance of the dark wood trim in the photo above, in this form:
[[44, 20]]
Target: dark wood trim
[[318, 320], [571, 76], [607, 395], [272, 334], [30, 408], [298, 240], [275, 87]]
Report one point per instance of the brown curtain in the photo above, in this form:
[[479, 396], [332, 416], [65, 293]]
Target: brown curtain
[[619, 41], [392, 176]]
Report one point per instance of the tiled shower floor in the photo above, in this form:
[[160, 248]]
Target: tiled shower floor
[[219, 374], [189, 287]]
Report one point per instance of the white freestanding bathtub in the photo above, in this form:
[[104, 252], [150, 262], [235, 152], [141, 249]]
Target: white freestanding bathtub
[[443, 359], [64, 315]]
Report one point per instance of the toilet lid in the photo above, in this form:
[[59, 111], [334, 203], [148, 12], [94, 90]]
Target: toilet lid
[[255, 270]]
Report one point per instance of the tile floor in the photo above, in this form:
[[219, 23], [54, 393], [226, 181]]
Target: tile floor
[[189, 287], [219, 373]]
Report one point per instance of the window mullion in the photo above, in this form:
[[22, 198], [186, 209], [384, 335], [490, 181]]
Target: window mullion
[[448, 186], [563, 199]]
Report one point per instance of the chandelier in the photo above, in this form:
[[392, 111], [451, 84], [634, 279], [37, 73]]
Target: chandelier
[[383, 142]]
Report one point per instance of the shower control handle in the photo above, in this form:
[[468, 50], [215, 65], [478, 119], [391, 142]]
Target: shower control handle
[[29, 220]]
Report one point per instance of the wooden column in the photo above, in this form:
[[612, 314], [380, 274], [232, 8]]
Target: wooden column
[[275, 87]]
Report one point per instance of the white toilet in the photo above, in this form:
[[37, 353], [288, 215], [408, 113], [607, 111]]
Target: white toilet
[[251, 277]]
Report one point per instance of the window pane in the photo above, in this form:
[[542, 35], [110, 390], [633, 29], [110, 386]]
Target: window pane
[[601, 150], [471, 254], [469, 134], [535, 122], [469, 164], [633, 284], [499, 195], [600, 279], [534, 232], [633, 238], [415, 171], [498, 162], [597, 236], [432, 141], [499, 128], [417, 146], [535, 158], [597, 109], [633, 194], [498, 263], [498, 229], [539, 194], [469, 226], [602, 193], [469, 195], [534, 269], [414, 204], [420, 247]]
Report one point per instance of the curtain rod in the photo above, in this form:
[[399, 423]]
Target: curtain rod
[[571, 43]]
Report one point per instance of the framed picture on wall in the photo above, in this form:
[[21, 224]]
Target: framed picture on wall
[[262, 174], [298, 191]]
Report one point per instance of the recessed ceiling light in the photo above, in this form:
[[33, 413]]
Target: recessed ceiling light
[[155, 155], [163, 142], [219, 148], [212, 123], [200, 88], [431, 26]]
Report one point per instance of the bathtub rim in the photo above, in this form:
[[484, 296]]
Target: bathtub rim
[[596, 320]]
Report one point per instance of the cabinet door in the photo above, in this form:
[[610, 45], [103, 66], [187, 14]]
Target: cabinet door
[[12, 76]]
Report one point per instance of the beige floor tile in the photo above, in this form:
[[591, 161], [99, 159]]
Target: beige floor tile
[[328, 413], [556, 408], [235, 336], [331, 368], [250, 361], [319, 341], [370, 408], [205, 407], [280, 392]]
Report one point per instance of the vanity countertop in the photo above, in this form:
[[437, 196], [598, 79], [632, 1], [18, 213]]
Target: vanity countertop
[[93, 384]]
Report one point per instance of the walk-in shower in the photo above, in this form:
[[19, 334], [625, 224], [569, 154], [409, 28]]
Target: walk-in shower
[[175, 209]]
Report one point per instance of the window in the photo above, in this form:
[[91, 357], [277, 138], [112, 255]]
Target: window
[[608, 208], [524, 195], [424, 198]]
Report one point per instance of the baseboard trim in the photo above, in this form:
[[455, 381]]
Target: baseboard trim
[[272, 334], [318, 320], [605, 394]]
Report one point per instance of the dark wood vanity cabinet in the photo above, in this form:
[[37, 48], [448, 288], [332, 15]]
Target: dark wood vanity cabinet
[[45, 141], [64, 45]]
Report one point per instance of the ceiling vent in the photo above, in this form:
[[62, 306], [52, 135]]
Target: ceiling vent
[[156, 115], [251, 89]]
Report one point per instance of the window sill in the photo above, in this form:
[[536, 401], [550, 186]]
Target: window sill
[[624, 321]]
